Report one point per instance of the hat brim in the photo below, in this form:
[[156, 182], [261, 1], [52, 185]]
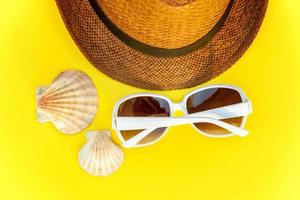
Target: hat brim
[[131, 66]]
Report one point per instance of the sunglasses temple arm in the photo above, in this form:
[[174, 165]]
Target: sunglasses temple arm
[[141, 123], [226, 112], [230, 111], [137, 138]]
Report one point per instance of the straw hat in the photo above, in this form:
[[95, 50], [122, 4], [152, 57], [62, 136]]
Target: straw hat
[[163, 44]]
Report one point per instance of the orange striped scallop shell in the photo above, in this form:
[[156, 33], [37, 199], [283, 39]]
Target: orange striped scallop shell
[[70, 102]]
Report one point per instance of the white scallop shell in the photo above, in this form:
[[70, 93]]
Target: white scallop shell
[[70, 102], [100, 156]]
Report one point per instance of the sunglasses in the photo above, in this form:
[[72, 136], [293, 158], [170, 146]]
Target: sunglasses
[[215, 111]]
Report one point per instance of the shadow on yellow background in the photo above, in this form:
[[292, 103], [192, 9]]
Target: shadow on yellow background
[[38, 162]]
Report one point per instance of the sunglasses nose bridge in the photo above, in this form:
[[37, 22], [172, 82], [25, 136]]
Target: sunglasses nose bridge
[[177, 106]]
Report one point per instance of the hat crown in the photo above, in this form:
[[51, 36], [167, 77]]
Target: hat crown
[[177, 2], [168, 24]]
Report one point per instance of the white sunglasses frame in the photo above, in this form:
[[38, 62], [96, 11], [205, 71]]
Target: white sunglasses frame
[[180, 106]]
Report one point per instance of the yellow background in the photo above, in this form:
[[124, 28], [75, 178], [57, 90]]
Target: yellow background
[[38, 162]]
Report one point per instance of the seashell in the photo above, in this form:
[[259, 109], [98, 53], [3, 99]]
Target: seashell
[[70, 102], [100, 156]]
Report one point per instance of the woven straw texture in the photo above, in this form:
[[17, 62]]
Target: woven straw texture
[[178, 2], [158, 24], [114, 58]]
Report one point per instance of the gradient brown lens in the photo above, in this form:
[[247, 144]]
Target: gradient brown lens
[[146, 106], [210, 99]]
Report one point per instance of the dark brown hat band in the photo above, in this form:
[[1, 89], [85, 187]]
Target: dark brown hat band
[[156, 51]]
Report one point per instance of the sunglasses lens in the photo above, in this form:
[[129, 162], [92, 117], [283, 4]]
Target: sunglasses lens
[[210, 99], [146, 106]]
